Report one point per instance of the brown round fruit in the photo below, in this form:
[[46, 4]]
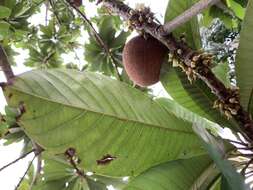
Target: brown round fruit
[[142, 59]]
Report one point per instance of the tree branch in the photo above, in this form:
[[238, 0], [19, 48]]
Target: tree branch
[[37, 151], [195, 64], [27, 170], [54, 12], [5, 65], [74, 161], [97, 38], [187, 15], [243, 171], [13, 162]]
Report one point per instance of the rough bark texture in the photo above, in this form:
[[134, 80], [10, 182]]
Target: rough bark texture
[[5, 66]]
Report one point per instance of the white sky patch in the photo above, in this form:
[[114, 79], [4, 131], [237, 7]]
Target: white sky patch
[[89, 173], [125, 179], [10, 176], [110, 187]]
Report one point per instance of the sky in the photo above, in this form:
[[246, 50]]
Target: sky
[[10, 176]]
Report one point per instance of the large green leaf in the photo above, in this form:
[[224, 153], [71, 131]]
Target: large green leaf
[[4, 29], [196, 97], [238, 9], [4, 12], [244, 58], [98, 116], [196, 173], [179, 111], [222, 73], [216, 150]]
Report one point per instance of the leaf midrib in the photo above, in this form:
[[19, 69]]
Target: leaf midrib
[[105, 114]]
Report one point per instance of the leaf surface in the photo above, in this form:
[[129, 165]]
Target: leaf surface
[[194, 173], [99, 116], [244, 58]]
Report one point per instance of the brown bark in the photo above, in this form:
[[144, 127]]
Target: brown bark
[[5, 66]]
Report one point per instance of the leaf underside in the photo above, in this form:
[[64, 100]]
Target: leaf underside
[[194, 173], [97, 116], [244, 60]]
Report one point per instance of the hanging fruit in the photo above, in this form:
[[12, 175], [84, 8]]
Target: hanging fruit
[[143, 58]]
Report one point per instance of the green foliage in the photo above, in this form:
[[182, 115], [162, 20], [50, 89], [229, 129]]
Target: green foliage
[[96, 56], [244, 59], [220, 184], [243, 3], [5, 12], [238, 8], [4, 29], [48, 47], [3, 126], [15, 14], [10, 131], [193, 173], [231, 14], [59, 174], [222, 72]]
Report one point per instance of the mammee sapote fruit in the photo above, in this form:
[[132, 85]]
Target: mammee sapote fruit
[[143, 58]]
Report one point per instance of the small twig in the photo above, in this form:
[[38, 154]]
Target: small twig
[[76, 56], [97, 38], [237, 142], [22, 178], [46, 16], [74, 160], [54, 12], [244, 148], [13, 162], [246, 166], [48, 57], [242, 155], [249, 172], [78, 171], [5, 65], [38, 150], [187, 15], [37, 173]]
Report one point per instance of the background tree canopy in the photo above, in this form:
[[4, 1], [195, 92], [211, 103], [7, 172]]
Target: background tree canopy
[[89, 126]]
